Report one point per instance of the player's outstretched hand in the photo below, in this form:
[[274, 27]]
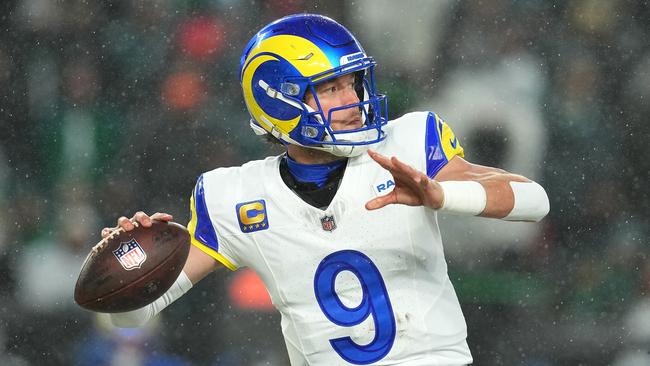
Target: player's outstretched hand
[[140, 218], [412, 187]]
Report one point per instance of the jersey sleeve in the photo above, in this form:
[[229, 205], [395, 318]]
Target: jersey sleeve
[[202, 232], [441, 145]]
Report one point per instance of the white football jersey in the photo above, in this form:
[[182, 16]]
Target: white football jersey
[[354, 287]]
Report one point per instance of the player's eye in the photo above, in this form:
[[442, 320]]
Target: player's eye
[[326, 89]]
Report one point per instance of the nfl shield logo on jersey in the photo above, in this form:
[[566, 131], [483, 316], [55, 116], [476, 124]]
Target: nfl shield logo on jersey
[[130, 255], [328, 223]]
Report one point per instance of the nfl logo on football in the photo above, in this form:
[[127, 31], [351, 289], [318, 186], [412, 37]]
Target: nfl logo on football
[[328, 223], [130, 255]]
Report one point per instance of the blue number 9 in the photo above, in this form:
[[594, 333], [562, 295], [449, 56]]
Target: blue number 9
[[375, 301]]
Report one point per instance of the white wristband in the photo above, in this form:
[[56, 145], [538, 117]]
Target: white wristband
[[138, 317], [531, 202], [463, 197]]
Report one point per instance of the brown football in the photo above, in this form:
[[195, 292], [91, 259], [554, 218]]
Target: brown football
[[130, 269]]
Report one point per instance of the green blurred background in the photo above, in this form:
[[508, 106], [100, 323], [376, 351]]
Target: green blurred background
[[110, 107]]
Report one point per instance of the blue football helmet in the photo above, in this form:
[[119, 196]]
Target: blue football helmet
[[289, 57]]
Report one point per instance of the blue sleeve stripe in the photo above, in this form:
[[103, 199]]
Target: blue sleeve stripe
[[435, 155], [204, 231]]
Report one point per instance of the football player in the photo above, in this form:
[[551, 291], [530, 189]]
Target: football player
[[342, 227]]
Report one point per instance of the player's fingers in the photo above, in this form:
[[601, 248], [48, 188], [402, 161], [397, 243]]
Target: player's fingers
[[106, 231], [125, 223], [383, 161], [404, 168], [381, 201], [161, 216], [414, 178], [142, 218], [375, 204], [402, 172]]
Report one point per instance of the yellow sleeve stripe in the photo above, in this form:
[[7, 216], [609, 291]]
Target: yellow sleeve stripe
[[214, 254], [191, 226], [450, 144]]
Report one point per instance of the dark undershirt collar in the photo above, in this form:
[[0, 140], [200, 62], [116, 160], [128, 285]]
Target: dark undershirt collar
[[312, 173], [310, 191]]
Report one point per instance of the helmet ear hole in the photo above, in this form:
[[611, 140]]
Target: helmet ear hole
[[290, 88]]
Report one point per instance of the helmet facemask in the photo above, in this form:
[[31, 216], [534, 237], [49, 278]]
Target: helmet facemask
[[315, 129]]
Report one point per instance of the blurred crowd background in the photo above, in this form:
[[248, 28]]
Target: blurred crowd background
[[110, 107]]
